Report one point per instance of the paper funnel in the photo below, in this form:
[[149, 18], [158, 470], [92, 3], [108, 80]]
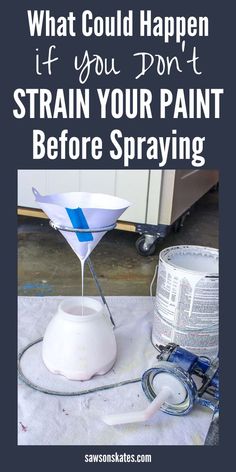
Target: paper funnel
[[82, 210]]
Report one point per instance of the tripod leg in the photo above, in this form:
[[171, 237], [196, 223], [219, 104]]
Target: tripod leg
[[92, 270]]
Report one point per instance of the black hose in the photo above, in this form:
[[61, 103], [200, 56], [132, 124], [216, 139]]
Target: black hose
[[59, 393]]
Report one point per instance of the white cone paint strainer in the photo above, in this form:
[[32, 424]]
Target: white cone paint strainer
[[82, 210]]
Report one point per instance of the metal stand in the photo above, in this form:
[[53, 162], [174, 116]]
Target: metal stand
[[88, 260]]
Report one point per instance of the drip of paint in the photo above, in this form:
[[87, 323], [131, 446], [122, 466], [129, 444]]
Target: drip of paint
[[78, 220], [82, 284], [82, 262]]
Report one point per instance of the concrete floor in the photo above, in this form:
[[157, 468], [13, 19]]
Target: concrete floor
[[47, 265]]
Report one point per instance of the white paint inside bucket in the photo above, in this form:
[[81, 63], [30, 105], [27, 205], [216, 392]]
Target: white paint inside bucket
[[197, 261]]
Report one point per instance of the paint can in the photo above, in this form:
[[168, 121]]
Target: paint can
[[186, 307]]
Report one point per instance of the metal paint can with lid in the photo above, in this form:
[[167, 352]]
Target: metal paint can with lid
[[186, 307]]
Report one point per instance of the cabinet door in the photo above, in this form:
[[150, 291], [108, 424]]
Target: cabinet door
[[100, 181], [62, 181], [154, 196], [133, 186], [128, 184], [26, 180], [46, 181]]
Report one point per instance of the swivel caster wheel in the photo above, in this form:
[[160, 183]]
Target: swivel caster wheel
[[146, 245]]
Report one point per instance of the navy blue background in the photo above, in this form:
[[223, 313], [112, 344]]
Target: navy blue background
[[217, 62]]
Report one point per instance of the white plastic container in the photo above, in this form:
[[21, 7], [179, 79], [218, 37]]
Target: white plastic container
[[186, 310], [78, 345]]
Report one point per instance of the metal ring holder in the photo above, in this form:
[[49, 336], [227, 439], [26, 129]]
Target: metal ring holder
[[60, 227], [81, 230]]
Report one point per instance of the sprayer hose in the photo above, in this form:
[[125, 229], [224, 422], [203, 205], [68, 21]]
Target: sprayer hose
[[37, 387]]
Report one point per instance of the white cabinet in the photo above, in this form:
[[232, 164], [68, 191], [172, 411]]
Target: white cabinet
[[128, 184], [158, 196]]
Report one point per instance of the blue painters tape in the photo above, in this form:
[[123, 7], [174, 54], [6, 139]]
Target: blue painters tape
[[78, 220]]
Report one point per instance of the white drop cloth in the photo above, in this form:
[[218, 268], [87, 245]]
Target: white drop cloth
[[53, 420]]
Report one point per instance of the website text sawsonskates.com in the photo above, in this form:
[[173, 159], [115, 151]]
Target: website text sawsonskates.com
[[117, 457]]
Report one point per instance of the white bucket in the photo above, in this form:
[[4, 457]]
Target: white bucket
[[79, 341], [186, 308]]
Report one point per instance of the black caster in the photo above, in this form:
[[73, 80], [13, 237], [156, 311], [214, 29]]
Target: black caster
[[178, 225], [146, 245]]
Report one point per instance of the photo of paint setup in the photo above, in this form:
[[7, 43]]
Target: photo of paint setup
[[118, 307]]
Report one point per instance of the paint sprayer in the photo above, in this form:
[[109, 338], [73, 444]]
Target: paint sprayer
[[180, 381]]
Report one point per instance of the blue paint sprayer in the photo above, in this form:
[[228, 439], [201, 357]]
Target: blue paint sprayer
[[199, 376], [180, 381]]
